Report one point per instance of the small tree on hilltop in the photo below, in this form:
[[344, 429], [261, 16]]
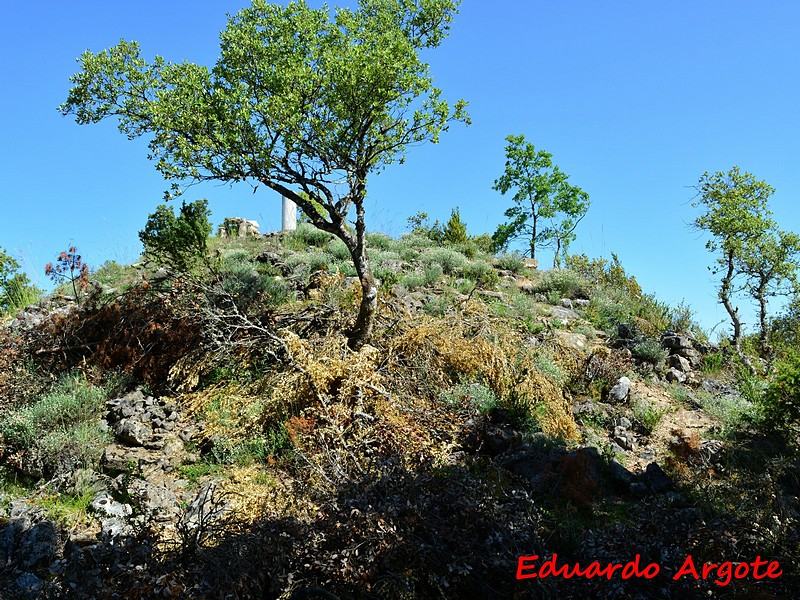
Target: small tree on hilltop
[[177, 241], [735, 213], [455, 230], [546, 207], [301, 101]]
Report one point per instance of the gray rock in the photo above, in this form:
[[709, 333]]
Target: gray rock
[[28, 540], [623, 422], [638, 488], [133, 432], [621, 389], [577, 341], [154, 500], [581, 302], [566, 303], [679, 362], [693, 356], [105, 505], [676, 342], [675, 376], [565, 315]]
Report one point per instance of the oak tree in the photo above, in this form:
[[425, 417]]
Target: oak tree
[[546, 209], [735, 213], [306, 102]]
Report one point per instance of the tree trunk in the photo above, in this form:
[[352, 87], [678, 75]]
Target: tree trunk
[[362, 330], [725, 298], [763, 336], [533, 237]]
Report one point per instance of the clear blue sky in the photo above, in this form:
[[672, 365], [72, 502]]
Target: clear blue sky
[[635, 100]]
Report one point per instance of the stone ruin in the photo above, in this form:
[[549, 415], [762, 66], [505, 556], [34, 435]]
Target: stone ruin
[[233, 227]]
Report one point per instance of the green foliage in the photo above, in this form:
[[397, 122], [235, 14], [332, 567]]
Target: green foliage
[[566, 283], [745, 239], [181, 241], [305, 236], [510, 262], [470, 397], [257, 449], [480, 272], [306, 102], [60, 427], [455, 230], [546, 207], [16, 291], [781, 400], [648, 414], [650, 350], [448, 259], [421, 227], [712, 363]]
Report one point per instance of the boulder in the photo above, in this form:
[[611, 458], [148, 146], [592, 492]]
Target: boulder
[[680, 363], [620, 391], [133, 432], [676, 342], [675, 376]]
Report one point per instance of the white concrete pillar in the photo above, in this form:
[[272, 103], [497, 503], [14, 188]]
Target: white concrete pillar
[[289, 221]]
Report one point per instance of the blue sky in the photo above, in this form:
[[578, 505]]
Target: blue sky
[[634, 100]]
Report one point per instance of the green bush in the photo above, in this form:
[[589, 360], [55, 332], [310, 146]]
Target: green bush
[[455, 230], [16, 291], [306, 235], [566, 283], [781, 400], [181, 241], [510, 262], [648, 414], [468, 397], [60, 428], [448, 259], [480, 272], [650, 350]]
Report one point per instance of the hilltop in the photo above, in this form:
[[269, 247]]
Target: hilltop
[[206, 432]]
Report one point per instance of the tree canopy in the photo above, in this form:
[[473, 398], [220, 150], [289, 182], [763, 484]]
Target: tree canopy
[[546, 207], [302, 101], [753, 255]]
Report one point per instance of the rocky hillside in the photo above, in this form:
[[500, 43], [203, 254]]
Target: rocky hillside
[[209, 434]]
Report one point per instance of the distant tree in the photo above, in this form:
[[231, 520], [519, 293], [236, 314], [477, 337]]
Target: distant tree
[[15, 287], [546, 207], [301, 100], [735, 213], [178, 242], [420, 224], [455, 230], [770, 264]]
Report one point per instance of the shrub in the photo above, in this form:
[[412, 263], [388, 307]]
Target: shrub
[[421, 228], [781, 400], [648, 414], [650, 350], [448, 259], [305, 236], [510, 262], [566, 283], [470, 397], [480, 272], [59, 430], [178, 242]]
